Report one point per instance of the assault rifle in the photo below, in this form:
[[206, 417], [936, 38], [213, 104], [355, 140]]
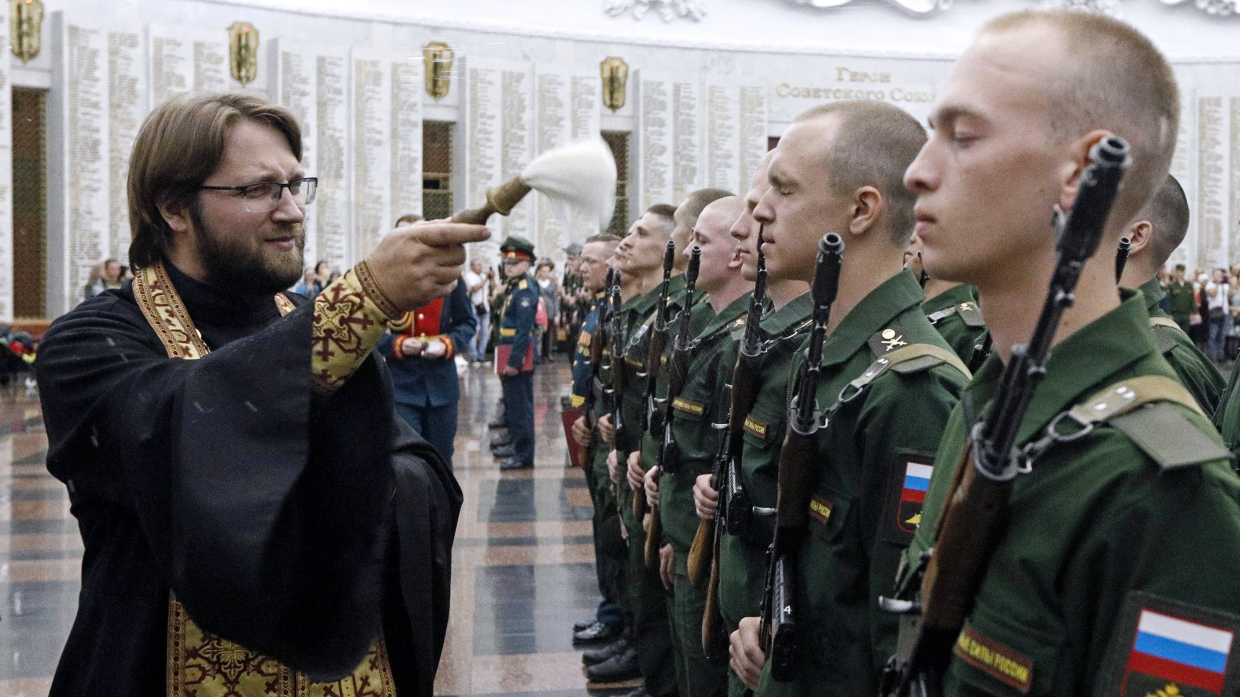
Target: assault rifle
[[677, 374], [654, 356], [734, 511], [778, 629], [615, 335], [1121, 256], [975, 518], [596, 352]]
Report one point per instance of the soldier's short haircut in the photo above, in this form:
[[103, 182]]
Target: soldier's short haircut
[[1111, 77], [696, 202], [874, 145], [1167, 211], [667, 213], [179, 145], [603, 237]]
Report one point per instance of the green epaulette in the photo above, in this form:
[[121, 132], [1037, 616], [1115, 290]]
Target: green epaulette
[[1164, 329], [1150, 410], [968, 311]]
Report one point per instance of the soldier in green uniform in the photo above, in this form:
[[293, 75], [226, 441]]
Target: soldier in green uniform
[[952, 309], [593, 268], [1180, 302], [741, 557], [694, 439], [1117, 572], [883, 417], [641, 255], [1158, 229]]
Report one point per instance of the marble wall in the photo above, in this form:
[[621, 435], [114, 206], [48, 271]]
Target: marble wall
[[699, 116]]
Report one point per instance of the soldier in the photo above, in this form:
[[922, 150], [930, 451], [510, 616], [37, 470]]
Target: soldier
[[952, 309], [1158, 229], [742, 567], [839, 168], [1180, 302], [641, 254], [1117, 571], [514, 355], [692, 442], [593, 269]]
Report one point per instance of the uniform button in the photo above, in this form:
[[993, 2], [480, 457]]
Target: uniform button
[[889, 333]]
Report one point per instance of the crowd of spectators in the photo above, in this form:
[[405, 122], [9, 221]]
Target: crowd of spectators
[[1207, 306]]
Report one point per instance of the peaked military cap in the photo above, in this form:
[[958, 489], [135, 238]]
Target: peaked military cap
[[516, 247]]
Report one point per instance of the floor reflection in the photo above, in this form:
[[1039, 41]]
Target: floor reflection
[[523, 562]]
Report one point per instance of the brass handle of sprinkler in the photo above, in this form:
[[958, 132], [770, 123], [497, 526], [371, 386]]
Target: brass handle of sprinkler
[[500, 200]]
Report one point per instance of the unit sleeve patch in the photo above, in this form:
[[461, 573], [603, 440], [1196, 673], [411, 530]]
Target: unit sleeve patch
[[994, 659], [1167, 648], [910, 481]]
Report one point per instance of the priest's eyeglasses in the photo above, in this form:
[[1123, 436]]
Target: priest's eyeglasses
[[264, 197]]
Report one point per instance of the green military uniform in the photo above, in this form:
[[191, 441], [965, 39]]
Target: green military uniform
[[651, 625], [1195, 370], [876, 449], [1180, 302], [742, 565], [1121, 543], [955, 313], [698, 416]]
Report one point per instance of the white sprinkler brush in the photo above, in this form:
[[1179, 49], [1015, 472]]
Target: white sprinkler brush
[[580, 176]]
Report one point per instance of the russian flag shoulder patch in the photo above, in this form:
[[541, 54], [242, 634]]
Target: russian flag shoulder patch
[[910, 482], [1166, 648]]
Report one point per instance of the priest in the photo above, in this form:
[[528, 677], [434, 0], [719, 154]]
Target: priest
[[255, 518]]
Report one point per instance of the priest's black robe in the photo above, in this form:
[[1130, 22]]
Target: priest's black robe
[[295, 524]]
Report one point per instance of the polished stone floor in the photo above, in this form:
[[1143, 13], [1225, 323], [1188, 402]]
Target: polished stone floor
[[523, 560]]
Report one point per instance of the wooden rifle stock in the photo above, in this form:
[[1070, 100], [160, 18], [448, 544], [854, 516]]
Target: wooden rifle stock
[[975, 517]]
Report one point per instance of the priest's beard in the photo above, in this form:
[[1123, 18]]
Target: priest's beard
[[242, 265]]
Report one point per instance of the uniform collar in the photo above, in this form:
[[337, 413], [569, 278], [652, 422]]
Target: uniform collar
[[1154, 295], [514, 280], [955, 295], [642, 303], [871, 315], [676, 284], [800, 308], [1079, 366], [729, 314]]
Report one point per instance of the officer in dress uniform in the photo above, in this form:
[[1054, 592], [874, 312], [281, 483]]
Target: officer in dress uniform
[[514, 354], [420, 351]]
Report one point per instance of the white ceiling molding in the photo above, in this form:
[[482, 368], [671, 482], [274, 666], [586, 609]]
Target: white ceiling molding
[[667, 9], [1217, 8], [917, 8]]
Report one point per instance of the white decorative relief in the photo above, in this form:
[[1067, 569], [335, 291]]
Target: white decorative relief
[[1217, 8], [914, 7], [667, 9]]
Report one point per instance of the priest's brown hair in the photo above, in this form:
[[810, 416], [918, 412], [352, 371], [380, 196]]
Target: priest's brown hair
[[180, 144]]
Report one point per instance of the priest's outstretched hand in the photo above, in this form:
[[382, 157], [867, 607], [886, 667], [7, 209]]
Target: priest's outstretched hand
[[415, 264]]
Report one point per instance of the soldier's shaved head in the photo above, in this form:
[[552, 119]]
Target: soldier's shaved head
[[1111, 77]]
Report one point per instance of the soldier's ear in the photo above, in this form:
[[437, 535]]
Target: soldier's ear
[[1141, 233], [867, 208], [1074, 164]]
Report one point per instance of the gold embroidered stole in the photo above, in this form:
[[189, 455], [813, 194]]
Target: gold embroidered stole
[[202, 664]]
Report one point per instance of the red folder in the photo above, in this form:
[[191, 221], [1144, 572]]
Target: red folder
[[504, 350], [576, 453]]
